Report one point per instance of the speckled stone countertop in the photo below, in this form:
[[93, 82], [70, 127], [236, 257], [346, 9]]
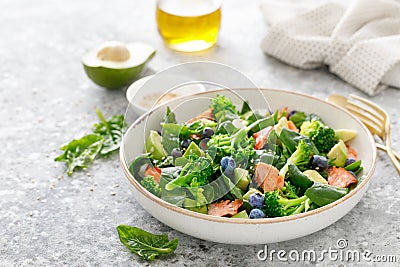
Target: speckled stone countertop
[[50, 219]]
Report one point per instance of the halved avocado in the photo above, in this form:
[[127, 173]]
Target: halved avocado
[[115, 64]]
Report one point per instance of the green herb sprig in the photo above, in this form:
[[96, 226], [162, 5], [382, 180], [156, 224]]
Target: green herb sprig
[[105, 139]]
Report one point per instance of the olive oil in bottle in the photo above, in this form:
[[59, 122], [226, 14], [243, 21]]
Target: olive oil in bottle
[[188, 25]]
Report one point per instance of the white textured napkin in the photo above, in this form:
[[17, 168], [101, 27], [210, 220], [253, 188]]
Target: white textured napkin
[[359, 43]]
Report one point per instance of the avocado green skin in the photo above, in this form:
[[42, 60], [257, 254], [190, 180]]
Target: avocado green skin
[[115, 78]]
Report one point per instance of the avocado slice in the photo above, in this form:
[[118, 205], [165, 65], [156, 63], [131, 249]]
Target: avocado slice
[[193, 149], [190, 204], [338, 154], [115, 64], [345, 134], [181, 161], [282, 123], [315, 176], [154, 146], [250, 192], [242, 214], [242, 178]]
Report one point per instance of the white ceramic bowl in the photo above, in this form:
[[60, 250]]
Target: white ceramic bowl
[[136, 93], [249, 231]]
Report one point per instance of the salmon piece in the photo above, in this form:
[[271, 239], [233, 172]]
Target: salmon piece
[[225, 208], [351, 152], [292, 127], [205, 115], [267, 177], [340, 177], [261, 137], [153, 171], [195, 136]]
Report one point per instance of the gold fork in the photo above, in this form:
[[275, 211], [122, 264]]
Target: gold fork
[[374, 118]]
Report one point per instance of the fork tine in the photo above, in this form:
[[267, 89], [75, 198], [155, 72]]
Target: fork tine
[[374, 127], [364, 113], [370, 104], [371, 128]]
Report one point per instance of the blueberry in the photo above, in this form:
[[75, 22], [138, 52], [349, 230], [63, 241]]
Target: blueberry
[[176, 153], [185, 143], [207, 132], [228, 165], [256, 200], [349, 161], [224, 163], [319, 163], [203, 143], [256, 214]]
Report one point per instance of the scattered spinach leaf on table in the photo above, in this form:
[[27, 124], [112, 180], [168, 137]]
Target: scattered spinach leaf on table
[[106, 138], [144, 244]]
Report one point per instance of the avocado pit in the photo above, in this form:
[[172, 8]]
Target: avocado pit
[[114, 52]]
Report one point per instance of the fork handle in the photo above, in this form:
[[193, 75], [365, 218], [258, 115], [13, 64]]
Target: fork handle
[[383, 148], [393, 156], [395, 162]]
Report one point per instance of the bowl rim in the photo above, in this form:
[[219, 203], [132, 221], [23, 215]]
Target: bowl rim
[[133, 88], [218, 219]]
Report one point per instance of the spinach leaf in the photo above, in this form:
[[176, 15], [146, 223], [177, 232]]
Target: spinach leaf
[[260, 124], [245, 107], [298, 178], [298, 118], [136, 167], [290, 139], [106, 138], [79, 152], [169, 116], [323, 194], [226, 127], [175, 196], [226, 185], [170, 136], [168, 174], [144, 244]]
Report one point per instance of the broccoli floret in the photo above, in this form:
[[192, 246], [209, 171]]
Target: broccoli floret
[[195, 173], [239, 146], [200, 170], [321, 135], [223, 109], [289, 191], [219, 146], [278, 206], [151, 186], [300, 157]]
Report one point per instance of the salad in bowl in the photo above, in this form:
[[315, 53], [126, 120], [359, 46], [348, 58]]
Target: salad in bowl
[[238, 162]]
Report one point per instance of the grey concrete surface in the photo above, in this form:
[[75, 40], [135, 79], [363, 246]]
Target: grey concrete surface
[[50, 219]]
